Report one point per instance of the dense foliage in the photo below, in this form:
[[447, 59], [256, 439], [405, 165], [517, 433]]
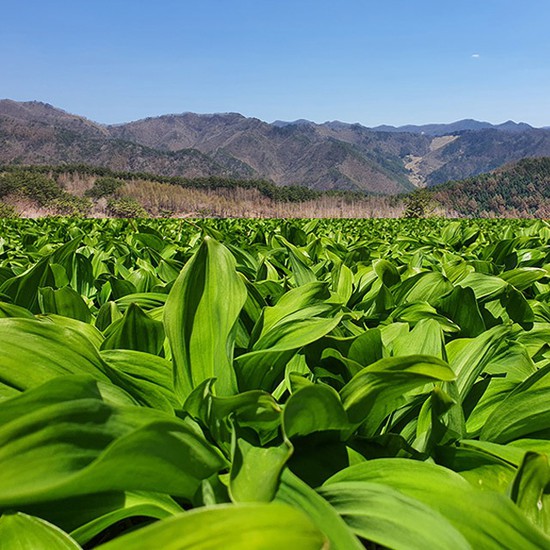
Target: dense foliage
[[41, 189], [517, 190], [256, 385], [522, 189], [290, 193]]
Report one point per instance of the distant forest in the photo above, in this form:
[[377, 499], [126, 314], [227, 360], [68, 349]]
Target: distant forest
[[518, 190], [521, 189]]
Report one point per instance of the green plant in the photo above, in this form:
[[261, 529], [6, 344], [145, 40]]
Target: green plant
[[105, 186], [69, 205], [125, 207], [419, 204], [7, 211], [309, 384]]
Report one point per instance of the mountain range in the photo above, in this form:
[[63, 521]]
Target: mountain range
[[332, 155]]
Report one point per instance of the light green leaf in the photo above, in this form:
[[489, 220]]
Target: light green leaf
[[296, 493], [255, 470], [34, 351], [378, 389], [380, 514], [314, 408], [530, 489], [22, 532], [485, 287], [426, 338], [135, 331], [423, 287], [199, 316], [523, 277], [472, 358], [10, 310], [233, 527], [65, 439], [148, 378], [520, 415], [66, 302], [486, 519], [264, 368]]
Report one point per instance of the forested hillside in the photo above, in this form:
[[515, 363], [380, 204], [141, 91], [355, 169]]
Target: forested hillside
[[521, 189]]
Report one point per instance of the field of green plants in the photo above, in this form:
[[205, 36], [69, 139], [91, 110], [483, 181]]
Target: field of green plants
[[170, 384]]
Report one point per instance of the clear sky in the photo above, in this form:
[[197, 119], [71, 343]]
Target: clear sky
[[367, 61]]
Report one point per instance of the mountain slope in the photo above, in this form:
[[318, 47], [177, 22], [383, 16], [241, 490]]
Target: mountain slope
[[305, 154], [333, 155], [478, 152], [37, 133], [519, 189]]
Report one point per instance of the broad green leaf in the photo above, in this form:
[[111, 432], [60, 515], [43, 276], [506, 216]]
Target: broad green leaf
[[485, 468], [367, 348], [84, 517], [296, 493], [64, 301], [520, 415], [65, 439], [22, 532], [135, 331], [421, 311], [316, 421], [462, 308], [530, 489], [518, 308], [485, 287], [314, 408], [486, 519], [424, 287], [507, 453], [386, 272], [297, 304], [91, 333], [426, 338], [199, 316], [108, 314], [264, 368], [513, 362], [255, 470], [255, 409], [343, 283], [145, 300], [523, 277], [380, 514], [148, 378], [472, 358], [10, 310], [121, 288], [298, 265], [24, 289], [233, 527], [378, 389], [34, 351], [436, 424], [480, 407], [295, 334]]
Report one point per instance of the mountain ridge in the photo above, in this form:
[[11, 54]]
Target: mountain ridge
[[331, 155]]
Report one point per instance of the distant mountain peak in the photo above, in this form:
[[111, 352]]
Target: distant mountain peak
[[299, 122], [464, 125]]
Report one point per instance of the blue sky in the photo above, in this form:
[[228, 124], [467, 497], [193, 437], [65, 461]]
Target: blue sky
[[373, 62]]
